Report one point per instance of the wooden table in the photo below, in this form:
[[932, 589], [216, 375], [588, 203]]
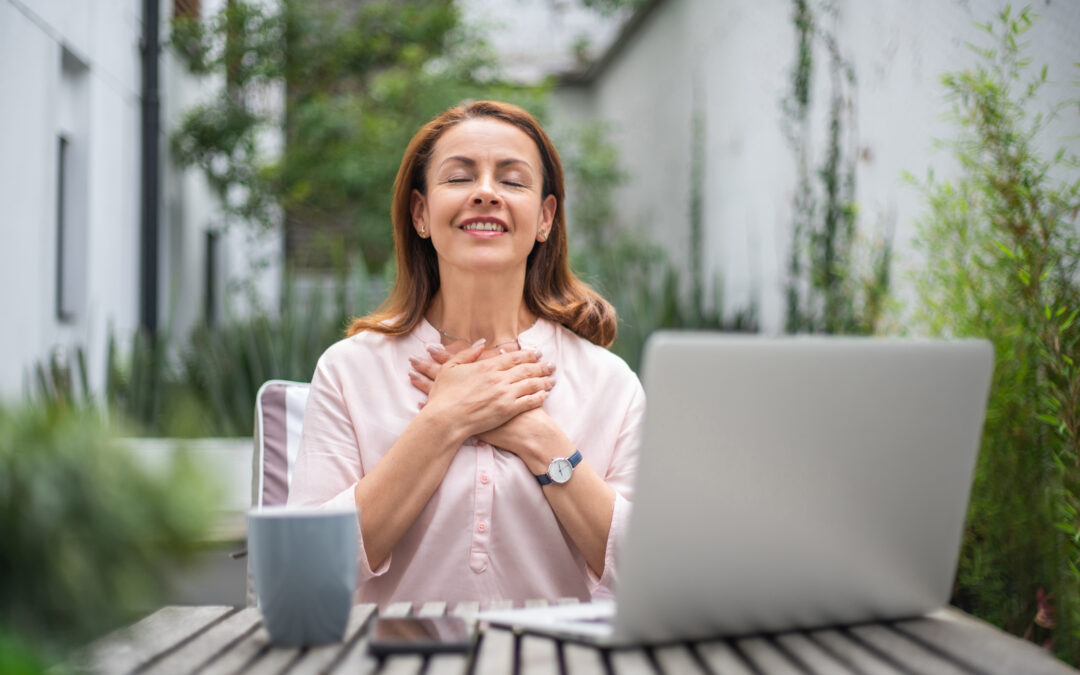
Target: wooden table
[[226, 640]]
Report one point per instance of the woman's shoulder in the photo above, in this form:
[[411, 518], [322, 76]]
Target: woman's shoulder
[[361, 347], [586, 355]]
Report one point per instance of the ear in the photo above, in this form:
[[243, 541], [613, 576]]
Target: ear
[[418, 209], [547, 217]]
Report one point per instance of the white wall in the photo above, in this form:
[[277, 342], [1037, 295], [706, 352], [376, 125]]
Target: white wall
[[104, 37], [535, 38], [99, 109], [737, 56]]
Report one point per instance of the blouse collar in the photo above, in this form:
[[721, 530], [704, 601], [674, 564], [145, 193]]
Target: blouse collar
[[539, 336]]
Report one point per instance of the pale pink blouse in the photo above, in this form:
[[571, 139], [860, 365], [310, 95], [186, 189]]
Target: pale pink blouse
[[487, 533]]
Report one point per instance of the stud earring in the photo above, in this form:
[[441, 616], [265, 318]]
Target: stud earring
[[423, 230]]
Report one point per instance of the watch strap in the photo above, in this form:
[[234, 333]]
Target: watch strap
[[574, 459]]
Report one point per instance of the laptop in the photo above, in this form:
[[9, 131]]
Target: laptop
[[788, 483]]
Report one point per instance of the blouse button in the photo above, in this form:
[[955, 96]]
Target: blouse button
[[484, 478], [481, 528]]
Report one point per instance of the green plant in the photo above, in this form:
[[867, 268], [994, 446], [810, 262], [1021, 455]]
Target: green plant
[[226, 365], [359, 79], [636, 275], [88, 534], [1003, 250], [836, 283]]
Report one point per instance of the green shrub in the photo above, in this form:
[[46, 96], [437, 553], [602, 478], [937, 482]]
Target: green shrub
[[1002, 250], [225, 365], [88, 534]]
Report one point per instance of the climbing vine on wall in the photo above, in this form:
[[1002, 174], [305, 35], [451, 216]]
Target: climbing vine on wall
[[837, 281]]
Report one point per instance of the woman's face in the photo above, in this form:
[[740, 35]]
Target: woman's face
[[484, 208]]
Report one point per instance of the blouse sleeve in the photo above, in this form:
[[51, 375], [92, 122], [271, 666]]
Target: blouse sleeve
[[620, 476], [328, 464]]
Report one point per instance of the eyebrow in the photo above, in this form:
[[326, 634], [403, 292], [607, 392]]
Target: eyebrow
[[468, 161]]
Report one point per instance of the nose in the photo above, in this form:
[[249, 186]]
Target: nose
[[485, 192]]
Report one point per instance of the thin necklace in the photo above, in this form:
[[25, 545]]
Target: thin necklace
[[455, 338]]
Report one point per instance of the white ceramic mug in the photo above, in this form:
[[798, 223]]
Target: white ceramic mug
[[304, 564]]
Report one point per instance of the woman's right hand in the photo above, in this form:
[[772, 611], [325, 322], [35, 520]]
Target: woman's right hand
[[473, 396]]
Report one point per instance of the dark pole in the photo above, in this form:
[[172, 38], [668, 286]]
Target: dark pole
[[151, 105]]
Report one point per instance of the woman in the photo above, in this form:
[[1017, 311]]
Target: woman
[[476, 420]]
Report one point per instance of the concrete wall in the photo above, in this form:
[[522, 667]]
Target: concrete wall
[[731, 61], [73, 68], [95, 102]]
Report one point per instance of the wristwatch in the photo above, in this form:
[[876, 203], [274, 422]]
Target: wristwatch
[[560, 469]]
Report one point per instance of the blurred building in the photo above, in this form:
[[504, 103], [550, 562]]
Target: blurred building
[[728, 65], [99, 232]]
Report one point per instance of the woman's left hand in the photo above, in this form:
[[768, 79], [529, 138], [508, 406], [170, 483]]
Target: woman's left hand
[[522, 435], [583, 506]]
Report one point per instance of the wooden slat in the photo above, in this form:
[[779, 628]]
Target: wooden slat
[[209, 645], [767, 657], [397, 609], [905, 650], [357, 659], [979, 646], [567, 601], [497, 653], [539, 655], [854, 654], [319, 659], [402, 664], [537, 603], [129, 648], [244, 652], [631, 662], [275, 659], [811, 655], [467, 611], [677, 659], [433, 609], [447, 664], [721, 658], [582, 660]]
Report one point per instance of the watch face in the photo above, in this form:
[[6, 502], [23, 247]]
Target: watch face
[[560, 470]]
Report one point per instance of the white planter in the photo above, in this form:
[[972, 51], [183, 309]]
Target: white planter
[[227, 460]]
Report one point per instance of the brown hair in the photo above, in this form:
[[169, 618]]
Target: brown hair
[[551, 289]]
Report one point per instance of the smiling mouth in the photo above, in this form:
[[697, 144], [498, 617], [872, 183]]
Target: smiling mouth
[[486, 226]]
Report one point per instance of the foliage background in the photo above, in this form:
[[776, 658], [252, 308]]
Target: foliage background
[[1002, 246], [89, 533], [1000, 243]]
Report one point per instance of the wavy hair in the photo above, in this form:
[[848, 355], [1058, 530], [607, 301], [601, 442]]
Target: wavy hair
[[552, 291]]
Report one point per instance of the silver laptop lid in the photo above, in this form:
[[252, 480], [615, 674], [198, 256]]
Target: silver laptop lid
[[798, 482]]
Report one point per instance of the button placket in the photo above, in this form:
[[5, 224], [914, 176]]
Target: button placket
[[485, 492]]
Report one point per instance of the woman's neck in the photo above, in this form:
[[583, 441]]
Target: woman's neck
[[473, 307]]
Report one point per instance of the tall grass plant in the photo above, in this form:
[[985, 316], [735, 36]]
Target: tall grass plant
[[1002, 251]]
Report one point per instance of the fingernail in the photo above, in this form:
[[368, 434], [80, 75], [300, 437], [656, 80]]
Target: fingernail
[[479, 342], [501, 350], [550, 367], [436, 349], [413, 360], [537, 352], [413, 374]]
